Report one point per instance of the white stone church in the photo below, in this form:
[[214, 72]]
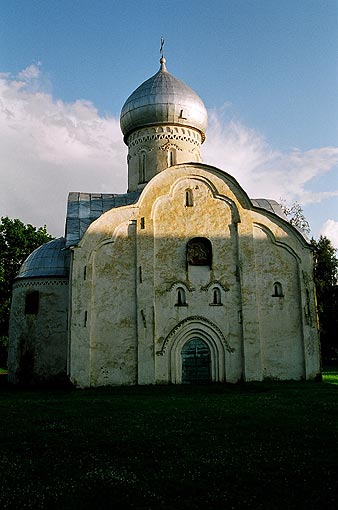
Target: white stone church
[[183, 279]]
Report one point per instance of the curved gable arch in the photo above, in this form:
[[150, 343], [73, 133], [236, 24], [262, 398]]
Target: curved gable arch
[[204, 180], [272, 238]]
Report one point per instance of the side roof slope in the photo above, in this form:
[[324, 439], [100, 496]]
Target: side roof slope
[[84, 208]]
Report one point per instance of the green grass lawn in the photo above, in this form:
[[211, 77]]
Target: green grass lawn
[[330, 375], [258, 445]]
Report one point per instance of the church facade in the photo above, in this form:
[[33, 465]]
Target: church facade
[[183, 279]]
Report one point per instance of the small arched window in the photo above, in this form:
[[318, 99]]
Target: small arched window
[[181, 299], [216, 296], [171, 157], [142, 172], [277, 290], [32, 302], [189, 199]]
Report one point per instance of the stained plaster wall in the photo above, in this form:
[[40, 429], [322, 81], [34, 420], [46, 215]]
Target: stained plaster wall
[[136, 258], [38, 347], [173, 224], [103, 323]]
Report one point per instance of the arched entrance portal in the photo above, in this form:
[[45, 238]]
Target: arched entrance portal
[[196, 361], [193, 334]]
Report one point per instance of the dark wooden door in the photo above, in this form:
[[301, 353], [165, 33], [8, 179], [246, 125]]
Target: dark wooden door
[[196, 362]]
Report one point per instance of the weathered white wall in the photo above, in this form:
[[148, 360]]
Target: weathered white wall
[[280, 320], [103, 325], [38, 346], [135, 258]]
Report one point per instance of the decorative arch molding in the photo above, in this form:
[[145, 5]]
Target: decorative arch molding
[[156, 133], [169, 145], [280, 244], [225, 287], [43, 282], [143, 148], [103, 242], [203, 329], [192, 326], [233, 207], [181, 283]]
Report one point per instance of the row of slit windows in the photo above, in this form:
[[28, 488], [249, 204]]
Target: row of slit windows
[[171, 161], [32, 299], [181, 299], [216, 295]]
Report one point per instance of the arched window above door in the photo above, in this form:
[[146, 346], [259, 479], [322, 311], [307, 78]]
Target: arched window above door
[[181, 297], [216, 297]]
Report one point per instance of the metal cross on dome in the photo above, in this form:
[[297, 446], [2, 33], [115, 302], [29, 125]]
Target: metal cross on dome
[[161, 48]]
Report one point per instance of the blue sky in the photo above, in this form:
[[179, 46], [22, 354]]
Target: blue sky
[[266, 70]]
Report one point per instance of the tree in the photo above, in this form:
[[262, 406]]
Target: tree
[[295, 216], [326, 280], [17, 241]]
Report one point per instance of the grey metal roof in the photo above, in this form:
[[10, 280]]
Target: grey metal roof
[[275, 207], [50, 259], [84, 208], [163, 99], [269, 205]]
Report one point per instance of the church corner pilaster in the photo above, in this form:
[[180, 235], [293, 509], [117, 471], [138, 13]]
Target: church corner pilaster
[[252, 348]]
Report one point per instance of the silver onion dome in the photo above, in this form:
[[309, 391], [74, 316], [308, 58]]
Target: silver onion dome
[[50, 259], [163, 99]]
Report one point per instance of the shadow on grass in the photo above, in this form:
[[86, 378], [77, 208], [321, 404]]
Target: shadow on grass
[[257, 445]]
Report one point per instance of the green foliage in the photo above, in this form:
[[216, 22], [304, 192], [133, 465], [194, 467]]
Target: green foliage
[[295, 216], [326, 280], [326, 263], [17, 241]]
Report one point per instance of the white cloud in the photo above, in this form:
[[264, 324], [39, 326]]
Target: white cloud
[[263, 171], [30, 73], [49, 148], [330, 230]]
